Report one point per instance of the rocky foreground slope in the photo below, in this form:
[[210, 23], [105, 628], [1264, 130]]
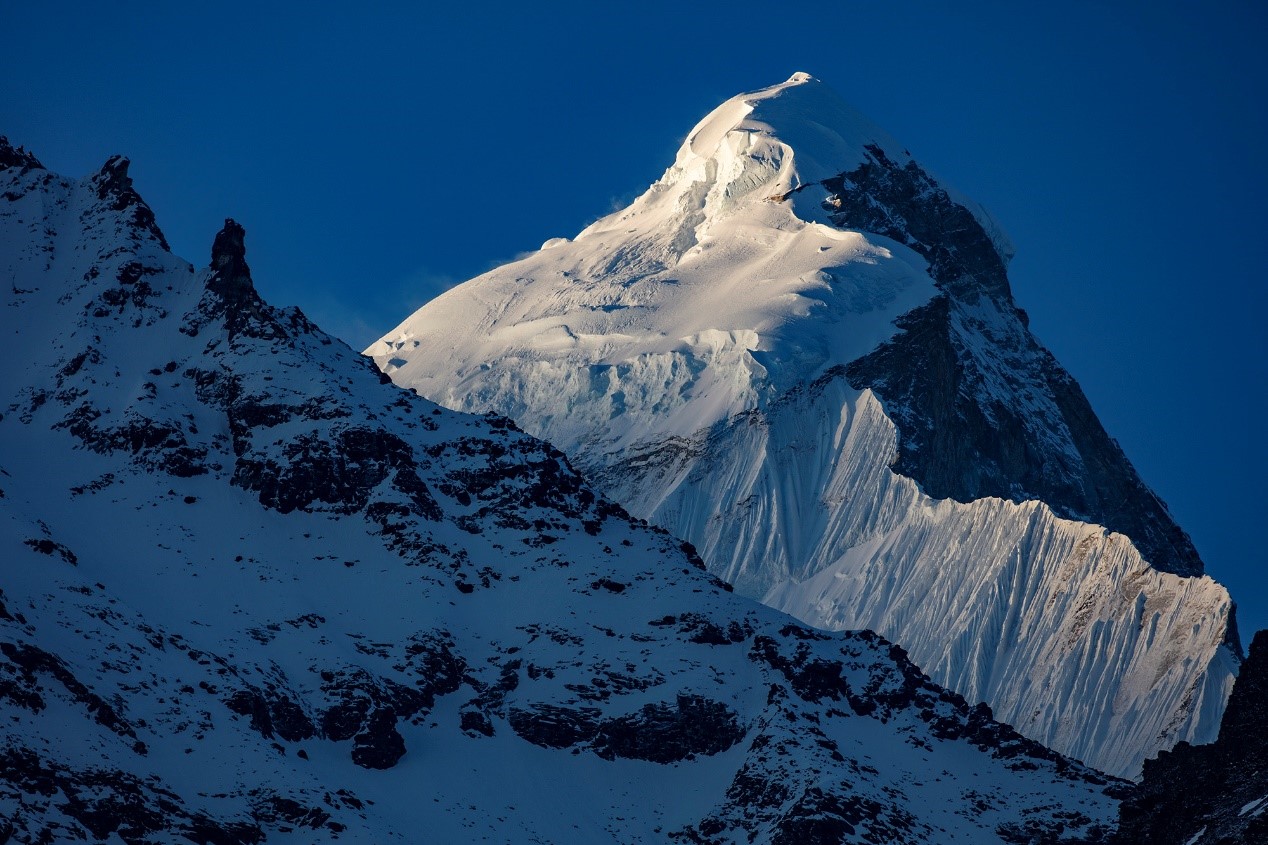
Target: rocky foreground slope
[[800, 352], [1214, 794], [252, 592]]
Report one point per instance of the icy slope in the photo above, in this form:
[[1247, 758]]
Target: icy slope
[[252, 592], [799, 352]]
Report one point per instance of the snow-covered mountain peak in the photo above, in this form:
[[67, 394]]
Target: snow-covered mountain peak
[[756, 148], [818, 133], [800, 352], [763, 159], [735, 256]]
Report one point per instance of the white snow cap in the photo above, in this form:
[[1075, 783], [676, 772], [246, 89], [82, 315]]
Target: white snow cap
[[760, 146], [801, 125]]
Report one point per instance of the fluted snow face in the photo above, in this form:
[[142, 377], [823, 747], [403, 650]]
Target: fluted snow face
[[689, 354], [1059, 625]]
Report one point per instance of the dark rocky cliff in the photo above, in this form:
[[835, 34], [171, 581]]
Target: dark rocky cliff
[[1213, 794], [998, 418]]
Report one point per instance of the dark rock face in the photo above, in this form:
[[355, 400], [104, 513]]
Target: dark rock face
[[379, 745], [11, 156], [1210, 794], [158, 445], [46, 546], [340, 473], [819, 818], [667, 733], [660, 733], [905, 204], [551, 726], [272, 713], [278, 810], [233, 292], [964, 433], [114, 186], [366, 709], [358, 695], [111, 805], [232, 277], [28, 663], [1245, 723]]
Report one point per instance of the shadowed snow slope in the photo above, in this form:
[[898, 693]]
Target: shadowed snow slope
[[801, 353], [251, 591]]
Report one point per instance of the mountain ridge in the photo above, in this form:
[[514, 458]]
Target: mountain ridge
[[256, 593]]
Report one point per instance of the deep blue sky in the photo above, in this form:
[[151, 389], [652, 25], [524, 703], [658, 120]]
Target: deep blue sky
[[376, 156]]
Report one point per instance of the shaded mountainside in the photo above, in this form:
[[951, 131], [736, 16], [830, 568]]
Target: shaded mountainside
[[1213, 794], [962, 389], [799, 352], [253, 593]]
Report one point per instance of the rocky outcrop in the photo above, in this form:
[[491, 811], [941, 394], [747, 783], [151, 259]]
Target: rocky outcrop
[[1213, 794], [11, 156], [272, 713], [662, 732], [232, 296], [379, 745], [28, 666], [61, 804], [114, 189]]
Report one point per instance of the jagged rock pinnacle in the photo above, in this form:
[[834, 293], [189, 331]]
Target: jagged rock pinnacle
[[229, 248], [234, 294], [231, 278], [1245, 721], [1166, 808], [112, 179], [11, 156], [114, 186]]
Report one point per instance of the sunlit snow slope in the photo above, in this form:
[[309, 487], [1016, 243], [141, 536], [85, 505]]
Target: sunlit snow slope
[[799, 352], [250, 591]]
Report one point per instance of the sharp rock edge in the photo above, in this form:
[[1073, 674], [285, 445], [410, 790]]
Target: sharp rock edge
[[1209, 794]]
